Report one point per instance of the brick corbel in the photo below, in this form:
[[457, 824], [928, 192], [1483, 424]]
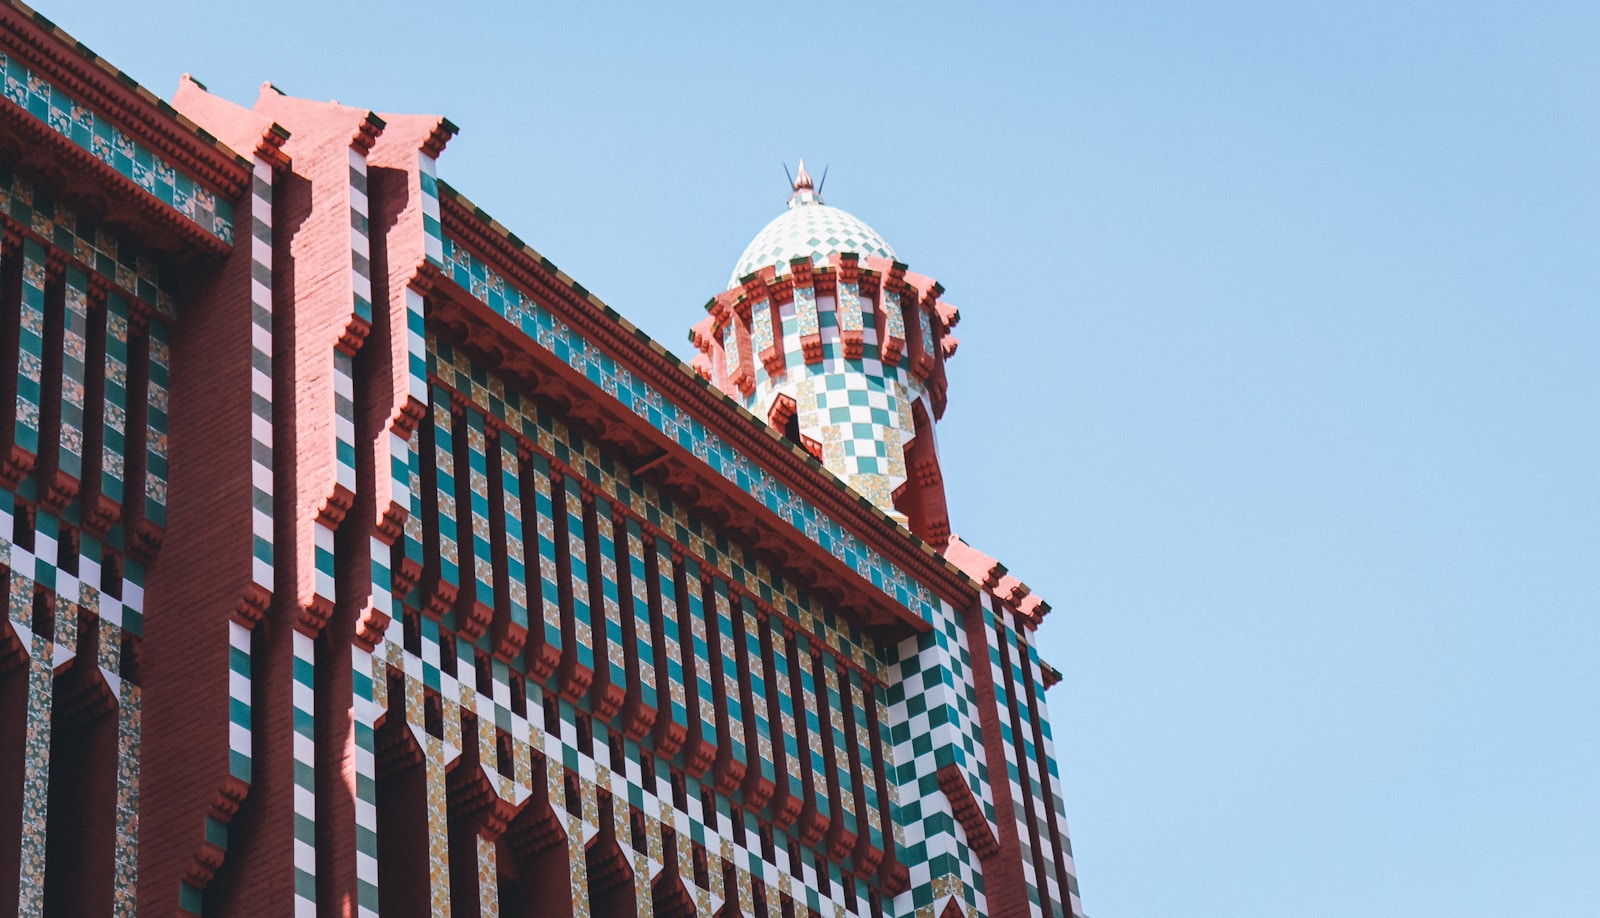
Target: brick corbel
[[371, 626], [335, 506], [57, 490], [270, 148], [252, 606], [145, 540], [508, 638], [367, 133], [1048, 674], [783, 408], [208, 856], [353, 335], [968, 812], [853, 343], [391, 523], [313, 616], [473, 616], [866, 855], [745, 378], [438, 137], [841, 841], [472, 797], [893, 876]]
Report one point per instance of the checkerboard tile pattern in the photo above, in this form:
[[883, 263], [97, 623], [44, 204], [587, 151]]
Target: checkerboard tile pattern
[[933, 722]]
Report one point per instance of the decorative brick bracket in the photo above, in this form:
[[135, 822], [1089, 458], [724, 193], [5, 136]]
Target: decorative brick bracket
[[968, 812]]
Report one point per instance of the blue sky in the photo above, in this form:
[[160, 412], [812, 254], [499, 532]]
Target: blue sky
[[1279, 370]]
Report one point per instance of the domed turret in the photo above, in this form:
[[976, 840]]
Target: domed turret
[[827, 336], [808, 228]]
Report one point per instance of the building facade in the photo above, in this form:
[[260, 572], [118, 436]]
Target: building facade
[[360, 562]]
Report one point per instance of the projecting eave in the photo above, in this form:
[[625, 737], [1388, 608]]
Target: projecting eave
[[496, 340], [997, 581], [61, 118]]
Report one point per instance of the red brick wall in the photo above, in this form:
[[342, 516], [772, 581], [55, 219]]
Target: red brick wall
[[201, 575]]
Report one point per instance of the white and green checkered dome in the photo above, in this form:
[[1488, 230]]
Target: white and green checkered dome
[[808, 227]]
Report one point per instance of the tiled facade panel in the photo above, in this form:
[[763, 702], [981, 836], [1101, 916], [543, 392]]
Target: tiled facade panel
[[642, 703], [506, 554], [441, 571], [781, 706], [719, 592], [543, 327], [113, 411], [546, 645], [472, 483], [732, 758], [933, 725], [72, 295], [702, 748], [605, 615], [1038, 812], [365, 711], [1043, 760], [752, 683], [158, 375], [68, 387], [672, 698], [48, 610], [30, 348], [95, 133], [578, 658]]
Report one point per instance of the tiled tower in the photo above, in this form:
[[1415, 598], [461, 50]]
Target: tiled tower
[[825, 334]]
